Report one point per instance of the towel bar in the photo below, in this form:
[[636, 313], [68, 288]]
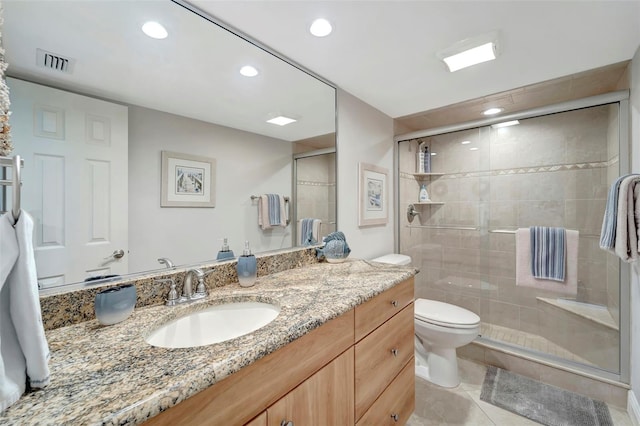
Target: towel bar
[[286, 201], [16, 164]]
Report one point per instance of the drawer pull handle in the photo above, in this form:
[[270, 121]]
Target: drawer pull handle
[[290, 423], [395, 417], [394, 303], [394, 352]]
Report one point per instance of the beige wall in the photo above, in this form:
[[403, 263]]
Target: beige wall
[[364, 135]]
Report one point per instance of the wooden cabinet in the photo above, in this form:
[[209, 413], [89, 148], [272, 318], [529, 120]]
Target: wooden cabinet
[[357, 368], [260, 420], [326, 398]]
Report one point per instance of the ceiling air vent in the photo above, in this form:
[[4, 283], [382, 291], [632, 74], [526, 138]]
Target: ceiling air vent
[[54, 61]]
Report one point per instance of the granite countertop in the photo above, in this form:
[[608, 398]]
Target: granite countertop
[[110, 375]]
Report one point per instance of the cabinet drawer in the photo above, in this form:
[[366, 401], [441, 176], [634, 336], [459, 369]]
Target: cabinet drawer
[[371, 314], [397, 402], [381, 355]]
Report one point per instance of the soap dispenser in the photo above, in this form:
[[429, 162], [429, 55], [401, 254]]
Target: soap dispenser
[[247, 267], [224, 252], [424, 195]]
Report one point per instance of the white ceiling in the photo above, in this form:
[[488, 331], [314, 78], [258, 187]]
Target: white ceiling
[[384, 52], [193, 72]]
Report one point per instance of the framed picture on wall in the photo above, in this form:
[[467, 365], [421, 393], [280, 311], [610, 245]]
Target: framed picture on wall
[[187, 180], [372, 195]]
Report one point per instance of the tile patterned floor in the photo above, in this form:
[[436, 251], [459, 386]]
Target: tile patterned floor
[[530, 341], [462, 405]]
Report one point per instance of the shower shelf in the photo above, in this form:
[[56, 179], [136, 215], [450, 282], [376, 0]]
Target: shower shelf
[[428, 203], [425, 175]]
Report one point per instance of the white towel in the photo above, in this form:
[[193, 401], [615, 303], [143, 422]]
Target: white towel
[[620, 233], [24, 352], [525, 278], [626, 241]]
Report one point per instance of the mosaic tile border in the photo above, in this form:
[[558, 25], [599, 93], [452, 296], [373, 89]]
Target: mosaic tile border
[[524, 170], [314, 183]]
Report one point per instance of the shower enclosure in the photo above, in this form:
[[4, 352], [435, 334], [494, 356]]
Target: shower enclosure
[[314, 177], [551, 167]]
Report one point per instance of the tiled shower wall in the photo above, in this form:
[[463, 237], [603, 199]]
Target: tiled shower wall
[[547, 171], [316, 190]]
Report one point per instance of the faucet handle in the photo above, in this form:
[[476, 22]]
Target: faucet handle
[[167, 262], [172, 298]]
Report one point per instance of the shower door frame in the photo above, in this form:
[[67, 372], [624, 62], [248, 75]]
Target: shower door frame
[[620, 97]]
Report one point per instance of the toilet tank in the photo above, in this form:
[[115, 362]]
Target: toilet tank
[[393, 259]]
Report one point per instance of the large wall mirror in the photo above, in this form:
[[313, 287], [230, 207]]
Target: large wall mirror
[[95, 103]]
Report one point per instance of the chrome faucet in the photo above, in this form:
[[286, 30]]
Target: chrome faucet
[[188, 294], [187, 285], [166, 261]]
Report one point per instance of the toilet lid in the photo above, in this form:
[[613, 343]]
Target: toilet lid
[[444, 314]]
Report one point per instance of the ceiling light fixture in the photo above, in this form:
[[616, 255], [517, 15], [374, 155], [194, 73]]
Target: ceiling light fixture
[[505, 124], [493, 111], [465, 142], [281, 120], [470, 51], [434, 153], [475, 148], [154, 30], [248, 71], [320, 27]]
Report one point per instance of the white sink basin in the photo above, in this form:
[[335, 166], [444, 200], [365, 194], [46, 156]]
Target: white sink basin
[[214, 325]]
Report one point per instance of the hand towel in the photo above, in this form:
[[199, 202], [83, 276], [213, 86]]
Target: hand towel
[[548, 252], [271, 211], [523, 264], [309, 231], [23, 346]]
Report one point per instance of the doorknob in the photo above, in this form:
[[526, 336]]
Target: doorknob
[[118, 254]]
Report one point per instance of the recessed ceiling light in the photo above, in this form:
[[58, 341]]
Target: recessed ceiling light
[[465, 142], [154, 30], [248, 71], [434, 153], [475, 148], [505, 124], [493, 111], [471, 51], [320, 27], [281, 120]]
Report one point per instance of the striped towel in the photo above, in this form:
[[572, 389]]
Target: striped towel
[[548, 252], [271, 211], [274, 209], [307, 236]]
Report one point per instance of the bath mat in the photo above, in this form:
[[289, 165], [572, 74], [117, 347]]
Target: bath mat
[[542, 403]]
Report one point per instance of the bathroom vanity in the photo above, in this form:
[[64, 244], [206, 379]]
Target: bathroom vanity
[[339, 352]]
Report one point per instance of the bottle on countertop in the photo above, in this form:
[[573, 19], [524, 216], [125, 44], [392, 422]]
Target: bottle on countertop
[[424, 195], [247, 267], [225, 252]]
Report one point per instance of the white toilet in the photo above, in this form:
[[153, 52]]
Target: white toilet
[[440, 328]]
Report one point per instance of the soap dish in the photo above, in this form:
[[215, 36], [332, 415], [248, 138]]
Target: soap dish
[[115, 304]]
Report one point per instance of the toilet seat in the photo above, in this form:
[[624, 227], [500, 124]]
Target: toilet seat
[[444, 314]]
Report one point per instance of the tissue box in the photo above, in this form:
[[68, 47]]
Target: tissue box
[[115, 304]]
